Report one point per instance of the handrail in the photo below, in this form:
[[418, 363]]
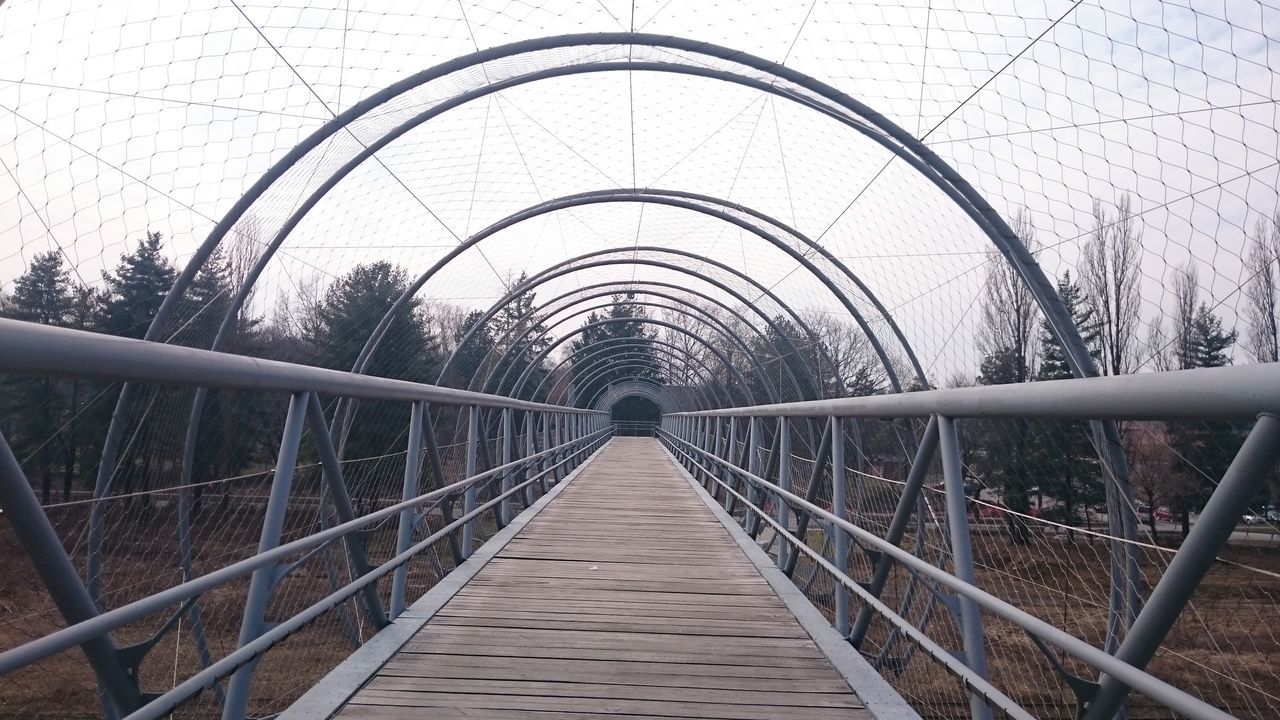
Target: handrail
[[1130, 675], [73, 635], [29, 348], [1240, 392], [164, 704]]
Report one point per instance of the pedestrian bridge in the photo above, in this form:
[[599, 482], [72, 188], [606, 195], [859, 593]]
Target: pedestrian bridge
[[626, 591], [565, 572], [558, 360]]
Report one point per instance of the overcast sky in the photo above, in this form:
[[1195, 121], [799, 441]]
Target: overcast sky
[[121, 116]]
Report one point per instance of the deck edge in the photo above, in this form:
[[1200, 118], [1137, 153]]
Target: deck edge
[[328, 696], [877, 695]]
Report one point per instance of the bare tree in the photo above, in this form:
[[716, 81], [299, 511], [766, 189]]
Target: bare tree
[[1186, 295], [245, 244], [690, 372], [447, 319], [1110, 277], [858, 369], [1174, 348], [1263, 291], [1010, 312]]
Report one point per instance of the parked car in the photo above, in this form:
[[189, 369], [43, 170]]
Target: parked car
[[1273, 516], [1253, 519], [1163, 515]]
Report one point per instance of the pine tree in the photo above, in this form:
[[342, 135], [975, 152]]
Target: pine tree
[[519, 337], [1064, 463], [1206, 448], [43, 416], [618, 350], [469, 358], [338, 328], [137, 288]]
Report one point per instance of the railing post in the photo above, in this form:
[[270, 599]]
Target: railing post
[[404, 533], [470, 495], [733, 456], [45, 550], [547, 460], [436, 464], [559, 453], [1247, 472], [840, 507], [504, 512], [750, 520], [784, 482], [332, 471], [708, 444], [263, 579], [898, 525], [531, 449], [718, 472], [975, 655]]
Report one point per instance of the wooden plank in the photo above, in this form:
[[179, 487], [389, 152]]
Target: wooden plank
[[631, 625], [651, 681], [650, 707], [624, 598], [618, 671], [619, 653], [613, 691]]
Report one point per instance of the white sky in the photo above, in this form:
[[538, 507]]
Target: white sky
[[118, 117]]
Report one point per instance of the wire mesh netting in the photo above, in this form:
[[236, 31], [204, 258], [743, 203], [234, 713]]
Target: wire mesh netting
[[357, 185]]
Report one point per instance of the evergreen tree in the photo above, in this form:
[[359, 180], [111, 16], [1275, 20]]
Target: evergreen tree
[[1003, 454], [335, 332], [205, 303], [469, 358], [519, 337], [88, 403], [618, 350], [137, 288], [1206, 448], [1063, 459], [48, 421]]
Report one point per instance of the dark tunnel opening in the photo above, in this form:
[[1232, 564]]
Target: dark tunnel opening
[[635, 416]]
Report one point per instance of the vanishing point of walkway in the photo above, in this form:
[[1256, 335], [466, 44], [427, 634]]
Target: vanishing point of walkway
[[624, 597]]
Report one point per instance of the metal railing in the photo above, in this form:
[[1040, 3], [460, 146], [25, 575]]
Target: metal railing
[[726, 450], [536, 445], [634, 428]]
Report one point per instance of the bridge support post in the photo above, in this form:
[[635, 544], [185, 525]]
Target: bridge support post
[[713, 445], [719, 472], [504, 513], [332, 471], [730, 477], [975, 655], [546, 445], [753, 467], [263, 579], [43, 546], [839, 506], [559, 453], [530, 448], [898, 526], [1247, 472], [784, 482], [404, 533], [469, 496]]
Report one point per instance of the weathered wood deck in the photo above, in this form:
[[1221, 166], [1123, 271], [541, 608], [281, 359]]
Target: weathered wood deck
[[625, 597]]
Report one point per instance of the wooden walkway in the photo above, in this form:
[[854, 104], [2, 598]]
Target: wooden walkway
[[623, 598]]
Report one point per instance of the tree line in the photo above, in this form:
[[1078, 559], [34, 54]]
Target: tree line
[[56, 426], [1173, 465]]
